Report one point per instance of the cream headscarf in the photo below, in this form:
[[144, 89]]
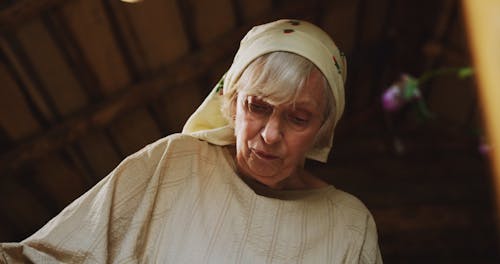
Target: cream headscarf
[[299, 37]]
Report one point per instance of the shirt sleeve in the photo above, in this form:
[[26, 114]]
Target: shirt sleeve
[[96, 226]]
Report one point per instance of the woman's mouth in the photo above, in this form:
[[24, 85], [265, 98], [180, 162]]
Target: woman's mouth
[[264, 155]]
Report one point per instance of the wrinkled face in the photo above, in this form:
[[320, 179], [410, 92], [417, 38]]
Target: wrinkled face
[[272, 140]]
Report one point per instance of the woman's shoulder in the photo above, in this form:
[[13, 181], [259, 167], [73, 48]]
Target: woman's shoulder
[[344, 199], [174, 143], [172, 147], [351, 208], [178, 140], [176, 152]]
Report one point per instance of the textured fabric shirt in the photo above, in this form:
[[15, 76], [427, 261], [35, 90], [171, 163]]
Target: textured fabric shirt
[[179, 200]]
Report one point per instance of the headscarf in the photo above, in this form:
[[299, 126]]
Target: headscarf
[[299, 37]]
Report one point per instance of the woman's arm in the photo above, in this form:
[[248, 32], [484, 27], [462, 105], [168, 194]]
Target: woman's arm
[[100, 224]]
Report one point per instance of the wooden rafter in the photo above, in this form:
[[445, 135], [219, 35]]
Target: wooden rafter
[[238, 12], [21, 11], [72, 53], [185, 9], [434, 48], [137, 95]]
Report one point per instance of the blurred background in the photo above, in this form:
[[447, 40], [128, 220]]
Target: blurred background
[[85, 83]]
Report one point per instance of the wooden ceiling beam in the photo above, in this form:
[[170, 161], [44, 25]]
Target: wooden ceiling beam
[[238, 12], [435, 46], [101, 115], [17, 13], [185, 11]]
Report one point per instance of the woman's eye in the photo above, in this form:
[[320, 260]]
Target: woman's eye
[[298, 120], [259, 107]]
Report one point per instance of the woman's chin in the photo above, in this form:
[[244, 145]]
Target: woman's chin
[[267, 171], [269, 177], [266, 168]]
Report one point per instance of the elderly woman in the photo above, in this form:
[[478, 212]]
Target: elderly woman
[[232, 188]]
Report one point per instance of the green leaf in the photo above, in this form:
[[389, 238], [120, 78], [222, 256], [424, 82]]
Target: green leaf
[[410, 89], [465, 72]]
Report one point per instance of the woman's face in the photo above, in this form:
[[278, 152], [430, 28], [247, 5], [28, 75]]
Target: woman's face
[[272, 140]]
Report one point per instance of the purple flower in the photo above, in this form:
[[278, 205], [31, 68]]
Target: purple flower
[[400, 92], [392, 99]]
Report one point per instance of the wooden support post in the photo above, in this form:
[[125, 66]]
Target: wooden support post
[[483, 24]]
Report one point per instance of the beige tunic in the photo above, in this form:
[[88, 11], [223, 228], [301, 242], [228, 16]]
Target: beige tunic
[[179, 200]]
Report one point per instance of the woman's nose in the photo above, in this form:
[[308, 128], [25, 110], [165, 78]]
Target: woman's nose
[[272, 131]]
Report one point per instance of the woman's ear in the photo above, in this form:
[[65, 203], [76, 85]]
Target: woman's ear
[[230, 108], [233, 106]]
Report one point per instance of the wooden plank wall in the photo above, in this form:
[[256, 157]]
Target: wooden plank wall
[[84, 83]]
